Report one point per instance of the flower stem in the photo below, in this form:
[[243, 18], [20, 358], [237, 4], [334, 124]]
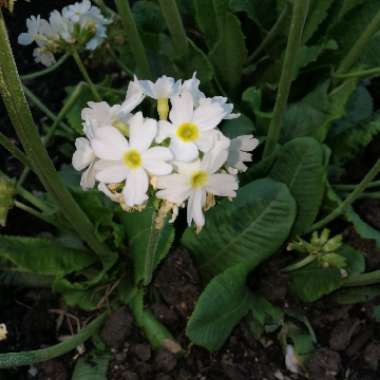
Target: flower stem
[[300, 9], [344, 187], [34, 212], [46, 71], [85, 75], [65, 109], [134, 39], [360, 74], [363, 279], [27, 358], [19, 113], [13, 150], [375, 170], [170, 11], [32, 199], [357, 49], [271, 34], [300, 264]]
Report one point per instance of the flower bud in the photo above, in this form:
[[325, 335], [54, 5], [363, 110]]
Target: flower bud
[[333, 244], [333, 260]]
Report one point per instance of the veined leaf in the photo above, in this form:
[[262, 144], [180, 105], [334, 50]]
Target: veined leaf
[[148, 244], [230, 54], [206, 20], [220, 307], [44, 257], [299, 165], [93, 366], [245, 231]]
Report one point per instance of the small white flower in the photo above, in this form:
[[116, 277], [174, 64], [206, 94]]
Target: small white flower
[[190, 129], [238, 151], [131, 160], [164, 87], [61, 27], [192, 86], [75, 12], [37, 27], [44, 56], [194, 180]]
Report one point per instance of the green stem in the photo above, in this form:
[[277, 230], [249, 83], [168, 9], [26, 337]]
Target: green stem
[[85, 75], [65, 109], [300, 9], [170, 11], [271, 34], [46, 71], [300, 264], [344, 187], [134, 39], [363, 279], [350, 199], [17, 359], [34, 212], [41, 106], [156, 333], [360, 74], [32, 199], [19, 113], [13, 150], [358, 48]]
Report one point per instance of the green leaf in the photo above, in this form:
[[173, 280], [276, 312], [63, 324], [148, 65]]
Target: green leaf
[[314, 281], [245, 231], [93, 366], [230, 54], [148, 16], [220, 307], [237, 127], [148, 244], [299, 165], [206, 20], [44, 257], [356, 295]]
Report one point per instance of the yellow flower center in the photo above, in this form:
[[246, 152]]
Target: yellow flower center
[[132, 158], [188, 132], [199, 179]]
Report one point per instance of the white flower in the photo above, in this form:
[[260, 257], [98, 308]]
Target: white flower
[[101, 114], [131, 160], [37, 27], [222, 101], [192, 86], [44, 56], [164, 87], [75, 12], [190, 129], [84, 158], [238, 151], [194, 180], [61, 27]]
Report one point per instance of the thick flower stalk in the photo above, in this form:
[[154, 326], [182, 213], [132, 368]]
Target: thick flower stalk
[[77, 26], [182, 159]]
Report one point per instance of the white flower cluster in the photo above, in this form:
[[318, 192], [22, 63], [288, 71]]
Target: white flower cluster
[[181, 158], [80, 25]]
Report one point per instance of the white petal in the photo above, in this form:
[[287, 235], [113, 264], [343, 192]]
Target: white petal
[[109, 143], [87, 180], [84, 155], [141, 132], [215, 158], [135, 96], [158, 167], [96, 115], [206, 140], [112, 174], [163, 87], [224, 185], [165, 130], [25, 39], [148, 88], [208, 115], [158, 153], [182, 109], [247, 142], [175, 188], [194, 208], [136, 187], [192, 86], [183, 151]]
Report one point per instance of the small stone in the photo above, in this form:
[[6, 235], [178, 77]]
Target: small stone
[[142, 351], [165, 361]]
